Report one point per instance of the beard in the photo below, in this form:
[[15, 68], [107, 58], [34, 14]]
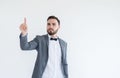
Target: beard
[[52, 32]]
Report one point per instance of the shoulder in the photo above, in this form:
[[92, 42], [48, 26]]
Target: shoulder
[[41, 37], [62, 41]]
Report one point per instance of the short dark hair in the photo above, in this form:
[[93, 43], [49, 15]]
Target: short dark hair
[[54, 17]]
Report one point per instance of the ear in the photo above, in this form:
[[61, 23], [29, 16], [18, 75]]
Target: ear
[[59, 26]]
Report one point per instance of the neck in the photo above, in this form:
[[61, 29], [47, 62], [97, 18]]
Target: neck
[[54, 36]]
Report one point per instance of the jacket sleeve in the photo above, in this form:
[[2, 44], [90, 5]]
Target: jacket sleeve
[[25, 45], [66, 65]]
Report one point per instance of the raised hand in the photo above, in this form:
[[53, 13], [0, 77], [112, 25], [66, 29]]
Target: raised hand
[[23, 27]]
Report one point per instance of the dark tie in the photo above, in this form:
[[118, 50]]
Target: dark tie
[[53, 39]]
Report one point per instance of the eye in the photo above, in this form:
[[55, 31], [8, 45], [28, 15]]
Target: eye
[[48, 23], [53, 24]]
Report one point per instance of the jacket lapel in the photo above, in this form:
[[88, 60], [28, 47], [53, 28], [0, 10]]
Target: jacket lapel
[[46, 40], [62, 49]]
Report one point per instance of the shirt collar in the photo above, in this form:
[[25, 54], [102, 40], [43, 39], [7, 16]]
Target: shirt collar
[[51, 37]]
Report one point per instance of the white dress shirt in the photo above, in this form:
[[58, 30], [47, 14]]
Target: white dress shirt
[[54, 66]]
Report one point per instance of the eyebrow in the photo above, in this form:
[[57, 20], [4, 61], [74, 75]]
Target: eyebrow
[[50, 23]]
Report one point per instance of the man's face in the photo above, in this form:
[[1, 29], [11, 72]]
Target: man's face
[[52, 26]]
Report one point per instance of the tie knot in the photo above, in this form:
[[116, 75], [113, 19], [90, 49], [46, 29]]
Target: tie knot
[[53, 39]]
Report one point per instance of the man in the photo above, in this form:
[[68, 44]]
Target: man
[[51, 59]]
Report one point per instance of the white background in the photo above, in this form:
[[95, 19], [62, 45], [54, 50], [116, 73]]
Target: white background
[[91, 28]]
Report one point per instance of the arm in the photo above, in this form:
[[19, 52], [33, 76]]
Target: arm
[[24, 44], [66, 68]]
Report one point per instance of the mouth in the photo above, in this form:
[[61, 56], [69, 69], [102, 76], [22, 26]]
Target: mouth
[[50, 30]]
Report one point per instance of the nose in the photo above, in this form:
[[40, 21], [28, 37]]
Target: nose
[[50, 26]]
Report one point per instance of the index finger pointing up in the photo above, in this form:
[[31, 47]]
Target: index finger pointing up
[[24, 20]]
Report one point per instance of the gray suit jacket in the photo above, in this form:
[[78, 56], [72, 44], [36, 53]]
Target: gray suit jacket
[[40, 43]]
